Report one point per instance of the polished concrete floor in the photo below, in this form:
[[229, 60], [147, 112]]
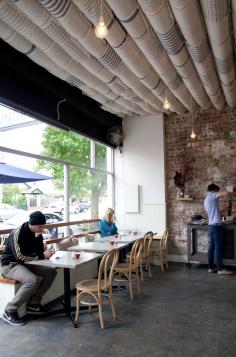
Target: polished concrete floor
[[182, 312]]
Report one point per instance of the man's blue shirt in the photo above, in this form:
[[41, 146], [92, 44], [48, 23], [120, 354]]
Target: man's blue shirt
[[211, 205]]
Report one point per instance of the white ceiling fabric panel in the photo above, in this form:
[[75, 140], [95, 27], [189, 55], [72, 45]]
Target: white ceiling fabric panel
[[179, 49]]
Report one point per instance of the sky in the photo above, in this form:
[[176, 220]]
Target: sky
[[23, 139]]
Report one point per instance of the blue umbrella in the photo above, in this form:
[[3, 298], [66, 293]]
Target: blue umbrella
[[13, 174]]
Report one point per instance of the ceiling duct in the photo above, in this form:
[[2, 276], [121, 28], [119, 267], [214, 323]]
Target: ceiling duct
[[181, 49], [43, 36], [217, 18], [129, 54], [163, 22], [78, 26], [190, 21]]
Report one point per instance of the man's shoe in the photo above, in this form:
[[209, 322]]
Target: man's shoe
[[225, 272], [13, 318], [36, 309], [210, 270]]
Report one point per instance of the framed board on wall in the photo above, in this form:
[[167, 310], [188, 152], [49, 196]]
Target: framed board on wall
[[131, 199]]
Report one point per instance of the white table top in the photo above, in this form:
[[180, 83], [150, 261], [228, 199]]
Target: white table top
[[64, 259], [97, 246], [122, 238]]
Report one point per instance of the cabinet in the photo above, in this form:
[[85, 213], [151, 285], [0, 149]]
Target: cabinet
[[197, 243]]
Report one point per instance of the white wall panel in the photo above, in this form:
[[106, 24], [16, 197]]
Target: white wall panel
[[142, 163]]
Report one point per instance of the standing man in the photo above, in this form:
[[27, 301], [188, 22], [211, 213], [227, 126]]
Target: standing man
[[25, 244], [215, 229]]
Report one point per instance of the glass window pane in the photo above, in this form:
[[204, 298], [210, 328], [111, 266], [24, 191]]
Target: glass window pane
[[100, 157], [67, 146], [103, 157]]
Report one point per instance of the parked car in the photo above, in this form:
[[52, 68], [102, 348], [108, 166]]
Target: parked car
[[7, 211], [22, 217], [84, 206], [58, 207]]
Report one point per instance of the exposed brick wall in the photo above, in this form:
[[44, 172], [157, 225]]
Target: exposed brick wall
[[211, 157]]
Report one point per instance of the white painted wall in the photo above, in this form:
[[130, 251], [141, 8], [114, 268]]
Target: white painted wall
[[142, 163]]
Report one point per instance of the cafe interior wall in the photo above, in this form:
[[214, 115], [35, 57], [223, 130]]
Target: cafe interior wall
[[141, 164], [210, 157]]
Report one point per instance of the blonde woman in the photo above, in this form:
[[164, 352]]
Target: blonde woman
[[107, 226]]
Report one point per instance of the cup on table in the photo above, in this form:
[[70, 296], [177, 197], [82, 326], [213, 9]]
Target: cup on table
[[75, 255], [135, 230]]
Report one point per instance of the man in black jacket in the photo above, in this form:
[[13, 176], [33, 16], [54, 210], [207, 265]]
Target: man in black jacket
[[25, 244]]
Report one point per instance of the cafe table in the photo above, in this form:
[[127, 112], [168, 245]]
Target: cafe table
[[157, 236], [120, 238], [65, 260], [98, 247]]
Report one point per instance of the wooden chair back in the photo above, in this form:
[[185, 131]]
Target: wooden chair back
[[164, 239], [148, 238], [136, 254], [146, 257], [106, 269]]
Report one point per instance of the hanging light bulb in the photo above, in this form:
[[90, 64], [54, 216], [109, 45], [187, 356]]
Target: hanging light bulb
[[193, 135], [101, 29], [166, 103]]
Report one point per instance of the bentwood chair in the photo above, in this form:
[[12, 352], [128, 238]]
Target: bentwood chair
[[129, 271], [146, 259], [162, 251], [93, 292]]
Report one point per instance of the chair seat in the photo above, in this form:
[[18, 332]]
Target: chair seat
[[143, 255], [155, 250], [123, 267], [90, 285]]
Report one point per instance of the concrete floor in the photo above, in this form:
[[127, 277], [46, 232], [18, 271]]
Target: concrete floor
[[182, 312]]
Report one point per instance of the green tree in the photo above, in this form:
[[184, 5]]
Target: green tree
[[74, 148], [13, 196]]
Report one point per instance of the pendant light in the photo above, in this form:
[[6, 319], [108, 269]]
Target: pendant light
[[166, 103], [192, 135], [101, 29]]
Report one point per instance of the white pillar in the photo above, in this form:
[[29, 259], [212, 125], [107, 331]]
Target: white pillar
[[1, 190], [66, 197]]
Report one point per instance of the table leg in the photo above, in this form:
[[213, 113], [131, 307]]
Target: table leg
[[67, 297]]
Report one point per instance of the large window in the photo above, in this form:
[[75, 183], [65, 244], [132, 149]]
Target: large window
[[49, 151]]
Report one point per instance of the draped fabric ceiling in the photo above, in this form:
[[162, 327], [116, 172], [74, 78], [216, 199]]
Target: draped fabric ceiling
[[179, 48]]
